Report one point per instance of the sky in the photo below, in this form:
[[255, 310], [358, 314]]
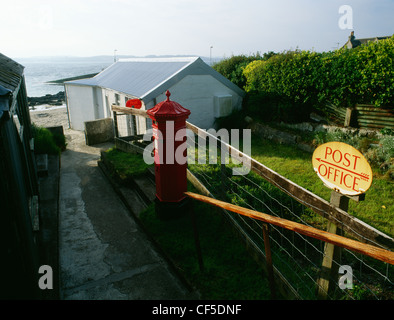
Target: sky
[[217, 28]]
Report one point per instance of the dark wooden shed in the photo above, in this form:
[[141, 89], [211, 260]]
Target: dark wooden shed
[[18, 188]]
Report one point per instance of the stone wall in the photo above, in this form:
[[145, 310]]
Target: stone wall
[[99, 131]]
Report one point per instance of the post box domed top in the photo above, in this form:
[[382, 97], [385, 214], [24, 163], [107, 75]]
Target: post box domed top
[[168, 110]]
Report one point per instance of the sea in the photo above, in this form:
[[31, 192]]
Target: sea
[[41, 70]]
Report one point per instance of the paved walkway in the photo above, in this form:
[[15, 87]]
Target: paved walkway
[[103, 253]]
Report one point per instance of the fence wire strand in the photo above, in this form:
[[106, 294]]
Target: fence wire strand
[[286, 246], [298, 258]]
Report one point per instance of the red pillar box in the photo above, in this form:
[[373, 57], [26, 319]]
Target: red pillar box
[[168, 118]]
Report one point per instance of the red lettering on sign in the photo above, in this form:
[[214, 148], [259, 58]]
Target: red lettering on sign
[[322, 165], [362, 175], [328, 151], [346, 159], [355, 161], [342, 167], [349, 180], [344, 180], [340, 156], [355, 184]]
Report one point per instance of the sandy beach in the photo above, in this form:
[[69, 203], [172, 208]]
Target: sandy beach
[[50, 117]]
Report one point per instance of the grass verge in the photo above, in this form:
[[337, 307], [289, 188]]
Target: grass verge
[[229, 272], [296, 165]]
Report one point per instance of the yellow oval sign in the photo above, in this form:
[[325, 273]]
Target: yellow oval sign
[[342, 168]]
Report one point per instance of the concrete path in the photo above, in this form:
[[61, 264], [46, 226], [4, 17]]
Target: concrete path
[[103, 253]]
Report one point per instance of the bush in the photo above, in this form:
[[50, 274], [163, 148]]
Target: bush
[[232, 68], [60, 140], [295, 82], [361, 75], [45, 142], [292, 75]]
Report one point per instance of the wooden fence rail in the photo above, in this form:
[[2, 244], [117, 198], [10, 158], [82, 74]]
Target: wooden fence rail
[[348, 223], [332, 212], [341, 218], [363, 248]]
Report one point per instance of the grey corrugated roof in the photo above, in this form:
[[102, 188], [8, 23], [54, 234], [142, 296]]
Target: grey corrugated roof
[[146, 78]]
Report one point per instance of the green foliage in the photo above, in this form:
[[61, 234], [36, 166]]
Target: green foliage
[[47, 142], [361, 75], [291, 75], [232, 68], [229, 272], [60, 140], [125, 165], [282, 87], [297, 81]]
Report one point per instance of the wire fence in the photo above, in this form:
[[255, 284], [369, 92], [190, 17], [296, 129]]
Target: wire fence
[[296, 258]]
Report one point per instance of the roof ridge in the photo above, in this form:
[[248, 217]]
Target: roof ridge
[[191, 61], [166, 59]]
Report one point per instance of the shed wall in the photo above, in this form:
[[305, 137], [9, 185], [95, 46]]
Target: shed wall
[[81, 105]]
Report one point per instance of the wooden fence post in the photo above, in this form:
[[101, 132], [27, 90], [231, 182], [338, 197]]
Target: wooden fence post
[[268, 259], [329, 270], [350, 117], [116, 124], [196, 236]]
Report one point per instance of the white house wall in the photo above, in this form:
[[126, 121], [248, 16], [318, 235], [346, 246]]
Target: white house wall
[[196, 93], [125, 121], [98, 103], [80, 102]]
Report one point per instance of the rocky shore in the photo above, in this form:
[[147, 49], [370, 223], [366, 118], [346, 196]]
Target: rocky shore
[[57, 99]]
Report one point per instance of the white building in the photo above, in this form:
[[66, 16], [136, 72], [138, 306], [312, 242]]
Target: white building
[[192, 83]]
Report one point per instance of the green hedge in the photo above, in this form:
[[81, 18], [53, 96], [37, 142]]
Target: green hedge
[[232, 68], [361, 75], [306, 79], [289, 85]]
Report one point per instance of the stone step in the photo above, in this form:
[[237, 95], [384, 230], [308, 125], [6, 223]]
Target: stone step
[[42, 164], [146, 188], [133, 198], [134, 201]]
